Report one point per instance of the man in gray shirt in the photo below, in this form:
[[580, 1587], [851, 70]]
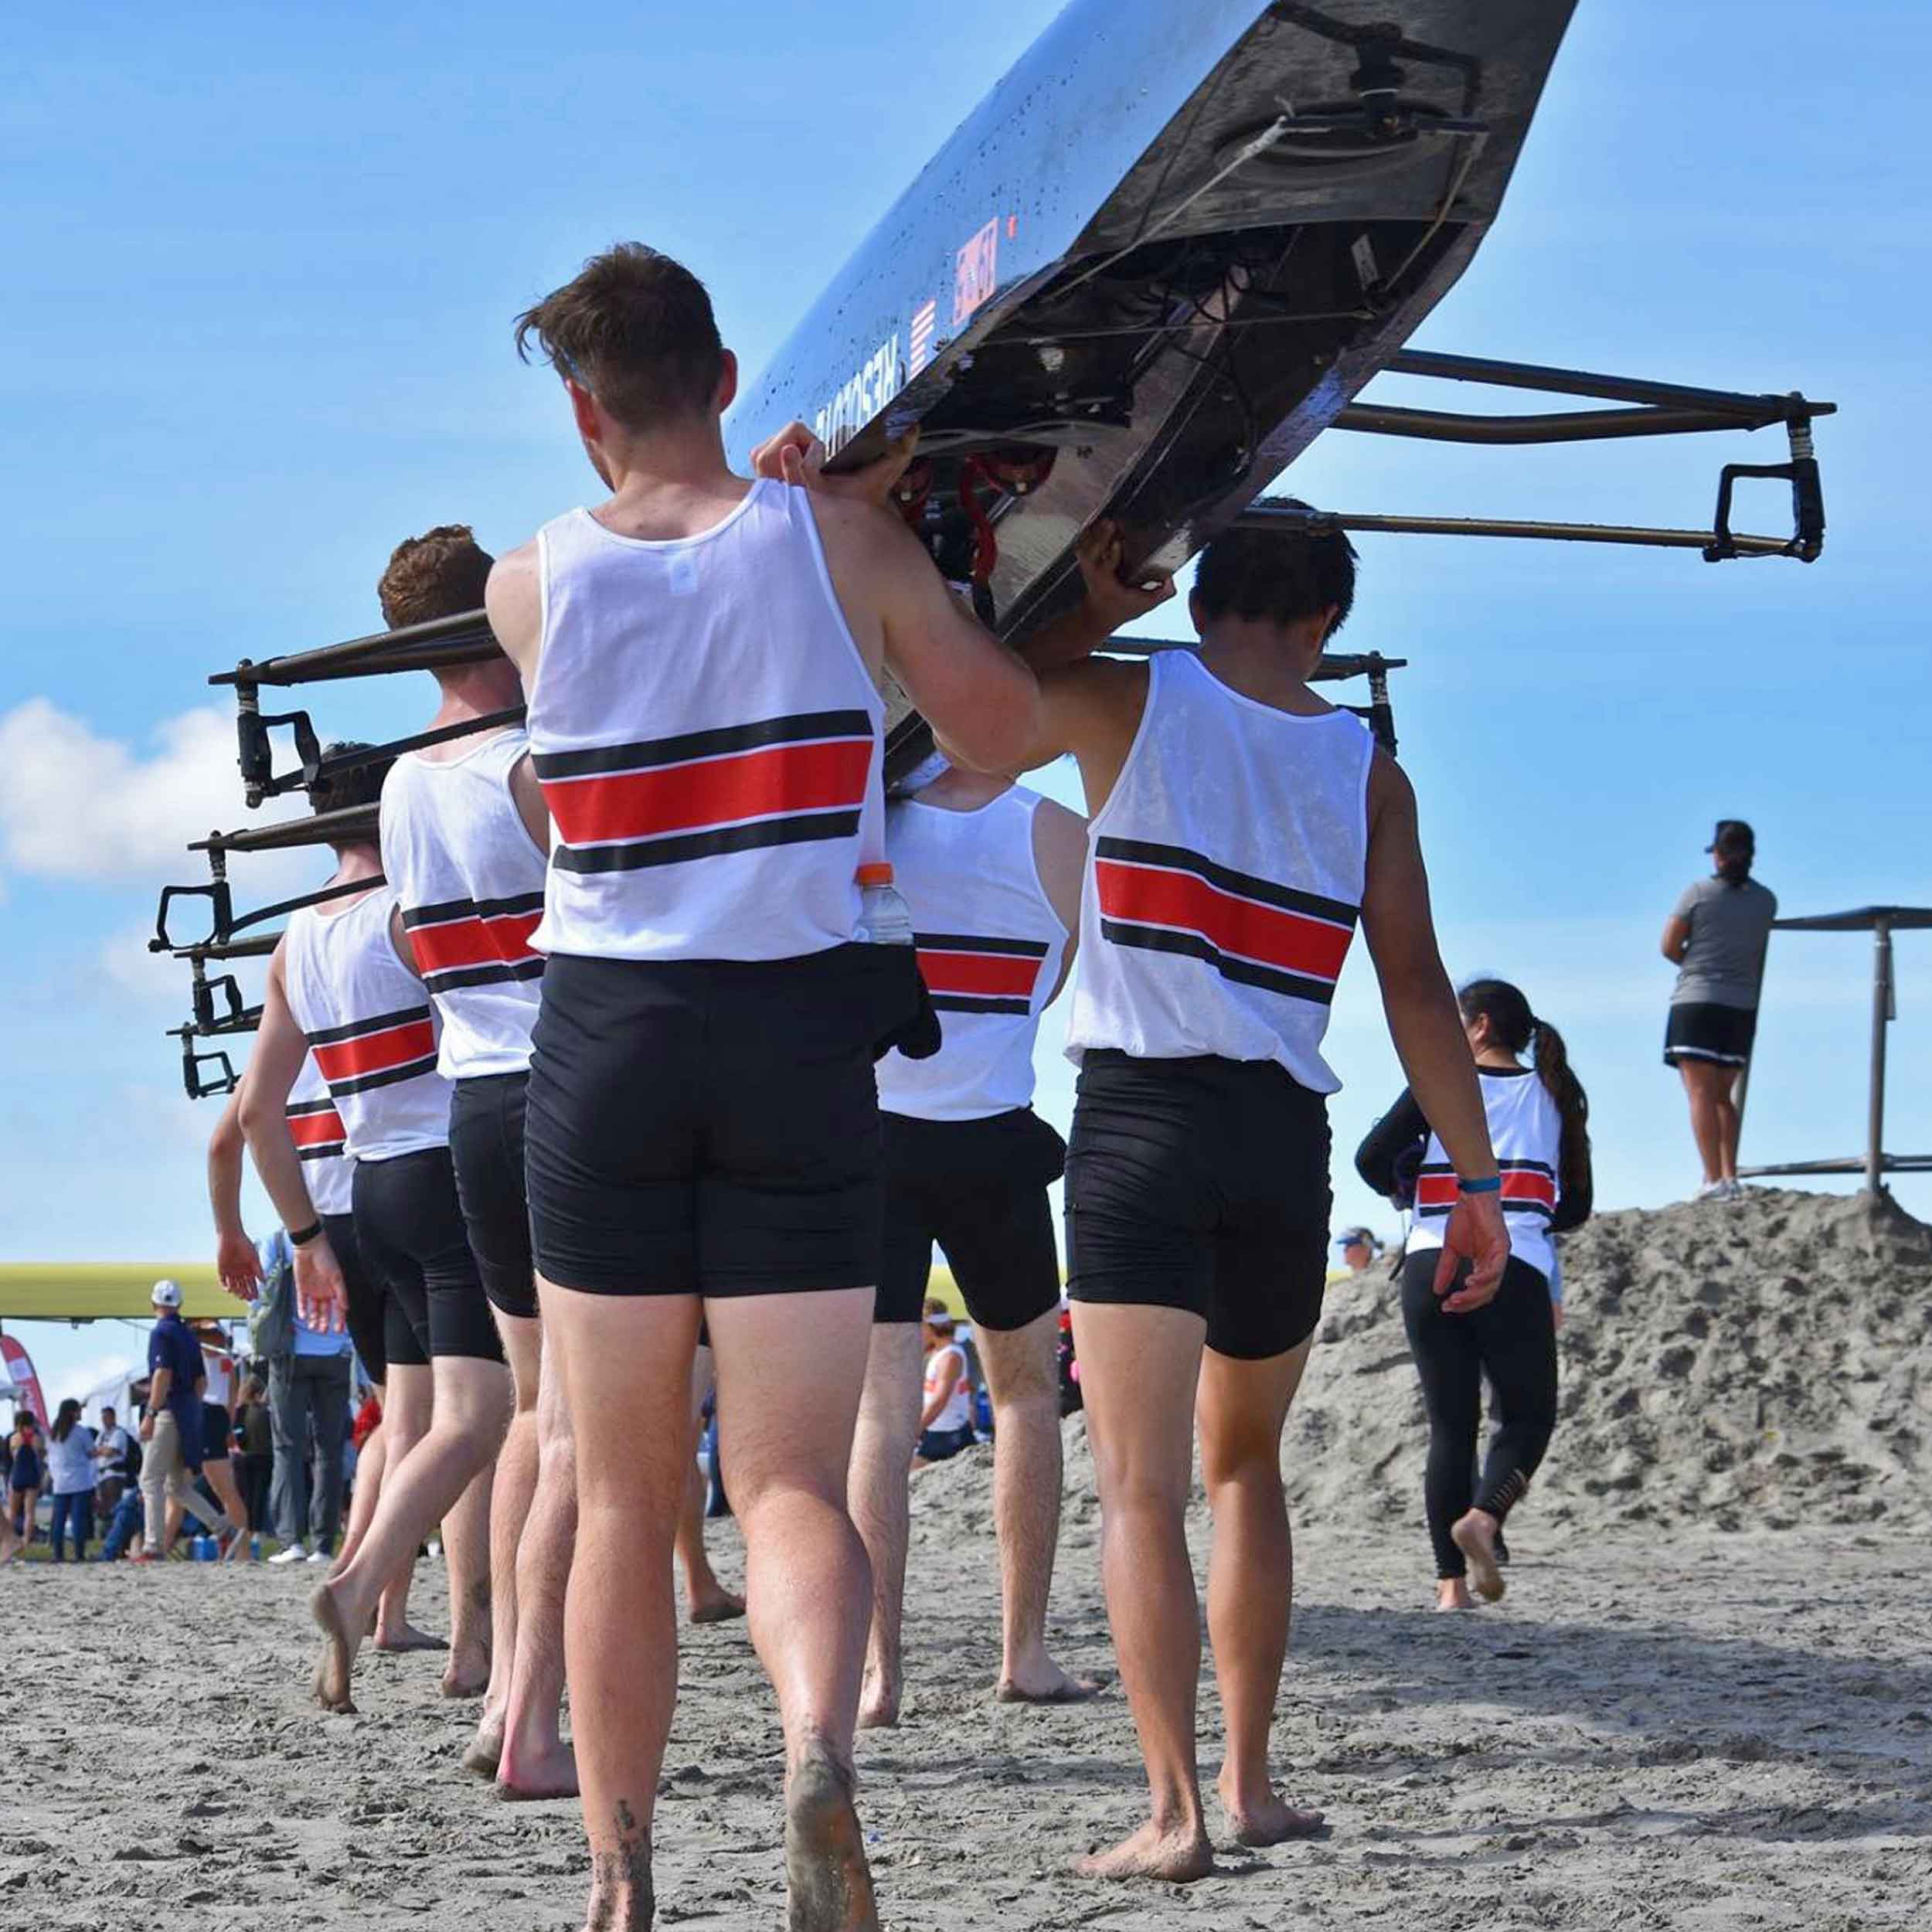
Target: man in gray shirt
[[1716, 936]]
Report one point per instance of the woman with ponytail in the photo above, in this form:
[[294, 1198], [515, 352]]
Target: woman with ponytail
[[1715, 937], [1539, 1122]]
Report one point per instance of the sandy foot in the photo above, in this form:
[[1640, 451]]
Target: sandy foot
[[828, 1885], [1180, 1855]]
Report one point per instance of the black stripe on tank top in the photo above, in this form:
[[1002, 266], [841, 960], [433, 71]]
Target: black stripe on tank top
[[805, 829], [604, 759], [1161, 939]]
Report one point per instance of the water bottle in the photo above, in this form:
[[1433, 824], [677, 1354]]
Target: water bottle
[[254, 1550], [884, 918]]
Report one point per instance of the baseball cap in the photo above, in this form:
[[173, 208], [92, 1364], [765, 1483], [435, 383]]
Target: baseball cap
[[1349, 1237], [1733, 835], [167, 1295]]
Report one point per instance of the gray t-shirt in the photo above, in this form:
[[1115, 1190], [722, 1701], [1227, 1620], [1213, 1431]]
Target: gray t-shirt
[[1728, 927]]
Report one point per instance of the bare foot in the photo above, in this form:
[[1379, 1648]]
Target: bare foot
[[621, 1898], [408, 1638], [717, 1606], [1474, 1534], [878, 1703], [485, 1750], [337, 1663], [828, 1887], [525, 1775], [1266, 1820], [468, 1675], [1046, 1684], [1453, 1594], [1179, 1853]]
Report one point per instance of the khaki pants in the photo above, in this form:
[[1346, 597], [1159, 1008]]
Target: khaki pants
[[163, 1474]]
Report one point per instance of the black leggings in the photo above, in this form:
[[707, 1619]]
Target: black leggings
[[1513, 1340]]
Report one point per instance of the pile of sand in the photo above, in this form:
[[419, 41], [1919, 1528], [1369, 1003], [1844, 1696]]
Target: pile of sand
[[1736, 1366]]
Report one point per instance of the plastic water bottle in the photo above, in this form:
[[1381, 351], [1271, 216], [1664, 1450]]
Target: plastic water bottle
[[884, 917]]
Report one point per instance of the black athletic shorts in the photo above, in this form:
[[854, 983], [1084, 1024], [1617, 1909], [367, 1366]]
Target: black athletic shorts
[[215, 1429], [977, 1188], [941, 1445], [486, 1143], [1705, 1031], [411, 1228], [710, 1127], [1201, 1185], [377, 1325]]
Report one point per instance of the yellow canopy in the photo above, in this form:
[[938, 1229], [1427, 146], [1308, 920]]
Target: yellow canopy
[[100, 1290]]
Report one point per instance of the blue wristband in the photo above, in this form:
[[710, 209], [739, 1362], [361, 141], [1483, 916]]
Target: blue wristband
[[1492, 1185]]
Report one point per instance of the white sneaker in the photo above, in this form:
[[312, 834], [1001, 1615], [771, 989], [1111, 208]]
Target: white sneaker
[[320, 1557], [1711, 1191], [294, 1554]]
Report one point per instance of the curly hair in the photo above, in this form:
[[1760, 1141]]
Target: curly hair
[[438, 574]]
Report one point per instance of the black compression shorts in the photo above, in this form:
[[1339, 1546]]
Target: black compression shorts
[[977, 1188], [377, 1325], [486, 1143], [215, 1429], [1702, 1030], [710, 1127], [1201, 1184], [414, 1239]]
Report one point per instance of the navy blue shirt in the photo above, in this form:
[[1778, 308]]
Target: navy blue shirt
[[171, 1346]]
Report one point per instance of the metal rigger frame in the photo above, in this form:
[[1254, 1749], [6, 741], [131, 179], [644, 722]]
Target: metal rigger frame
[[1642, 408]]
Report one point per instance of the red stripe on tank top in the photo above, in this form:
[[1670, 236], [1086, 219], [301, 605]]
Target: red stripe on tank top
[[317, 1129], [1184, 901], [773, 782], [456, 943], [953, 972], [377, 1052]]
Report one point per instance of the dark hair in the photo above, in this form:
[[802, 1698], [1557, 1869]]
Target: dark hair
[[635, 328], [360, 785], [435, 575], [65, 1417], [1734, 848], [1518, 1030], [1282, 576]]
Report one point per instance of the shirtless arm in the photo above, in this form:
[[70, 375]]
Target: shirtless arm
[[1059, 857], [237, 1266], [1427, 1027], [513, 600], [280, 1047]]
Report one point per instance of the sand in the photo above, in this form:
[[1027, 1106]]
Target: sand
[[1668, 1723]]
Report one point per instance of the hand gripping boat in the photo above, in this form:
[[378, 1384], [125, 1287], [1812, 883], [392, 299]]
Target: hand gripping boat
[[1161, 256]]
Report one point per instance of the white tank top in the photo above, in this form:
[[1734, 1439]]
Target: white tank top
[[369, 1026], [949, 1360], [990, 948], [470, 881], [708, 739], [1224, 879], [1527, 1133], [317, 1129], [219, 1369]]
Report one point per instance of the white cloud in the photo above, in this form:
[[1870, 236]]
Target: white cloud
[[75, 805]]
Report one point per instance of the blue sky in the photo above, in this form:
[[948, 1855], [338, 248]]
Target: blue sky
[[260, 270]]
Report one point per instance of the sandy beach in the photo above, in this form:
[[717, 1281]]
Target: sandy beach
[[1688, 1730]]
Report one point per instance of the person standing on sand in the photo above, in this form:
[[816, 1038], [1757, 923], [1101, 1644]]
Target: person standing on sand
[[1539, 1126], [702, 655], [172, 1429], [111, 1454], [1715, 937], [70, 1465], [991, 872], [338, 986], [1240, 827]]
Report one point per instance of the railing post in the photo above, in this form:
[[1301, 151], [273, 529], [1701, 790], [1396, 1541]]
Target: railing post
[[1881, 1017]]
